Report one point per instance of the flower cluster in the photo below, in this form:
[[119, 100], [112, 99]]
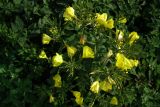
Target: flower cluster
[[125, 63], [133, 36], [85, 51], [105, 85]]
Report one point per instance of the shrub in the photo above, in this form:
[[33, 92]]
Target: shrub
[[79, 53]]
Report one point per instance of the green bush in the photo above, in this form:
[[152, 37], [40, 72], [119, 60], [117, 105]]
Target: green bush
[[52, 57]]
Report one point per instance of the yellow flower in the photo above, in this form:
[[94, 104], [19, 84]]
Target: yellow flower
[[76, 93], [79, 99], [114, 101], [69, 14], [46, 39], [57, 79], [124, 63], [87, 52], [105, 86], [109, 24], [119, 35], [57, 60], [71, 51], [95, 87], [51, 99], [43, 55], [122, 20], [101, 18], [111, 81], [133, 37]]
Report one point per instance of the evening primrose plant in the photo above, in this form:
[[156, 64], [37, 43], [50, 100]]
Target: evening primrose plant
[[72, 53], [92, 62]]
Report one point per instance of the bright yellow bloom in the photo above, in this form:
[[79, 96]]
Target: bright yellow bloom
[[69, 14], [119, 35], [71, 51], [43, 55], [57, 80], [122, 20], [95, 87], [46, 39], [87, 52], [114, 101], [109, 24], [101, 18], [57, 60], [133, 37], [51, 99], [111, 81], [124, 63], [79, 99], [105, 86]]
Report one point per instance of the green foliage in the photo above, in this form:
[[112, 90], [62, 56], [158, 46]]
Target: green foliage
[[27, 80]]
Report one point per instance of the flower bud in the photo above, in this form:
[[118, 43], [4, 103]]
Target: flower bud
[[133, 37], [110, 53], [119, 35], [82, 40], [57, 79]]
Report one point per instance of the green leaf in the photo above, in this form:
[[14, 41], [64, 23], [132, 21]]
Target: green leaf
[[17, 2]]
